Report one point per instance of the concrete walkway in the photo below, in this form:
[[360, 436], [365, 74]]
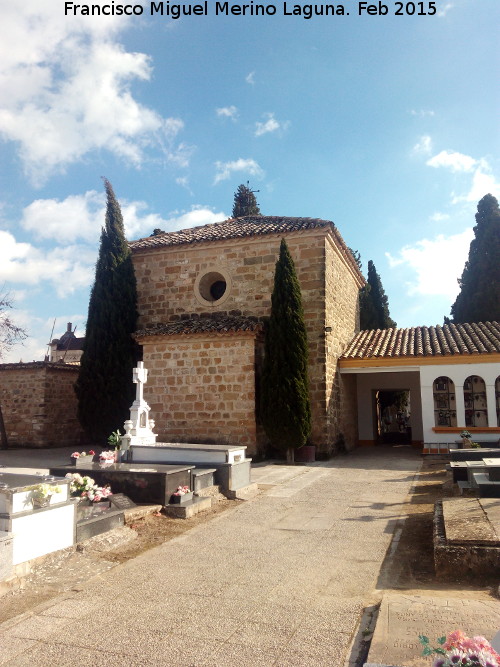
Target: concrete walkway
[[279, 580]]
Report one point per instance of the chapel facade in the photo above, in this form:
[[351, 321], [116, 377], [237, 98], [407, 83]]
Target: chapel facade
[[203, 296]]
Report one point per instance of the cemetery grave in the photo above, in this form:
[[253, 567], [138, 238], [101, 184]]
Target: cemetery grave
[[37, 513], [467, 529]]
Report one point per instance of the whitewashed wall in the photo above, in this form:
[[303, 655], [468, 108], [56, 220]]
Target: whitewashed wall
[[458, 373]]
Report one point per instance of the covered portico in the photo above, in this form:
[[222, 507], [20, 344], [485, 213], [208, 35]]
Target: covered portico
[[452, 374]]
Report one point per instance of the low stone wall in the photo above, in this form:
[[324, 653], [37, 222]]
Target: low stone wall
[[39, 405]]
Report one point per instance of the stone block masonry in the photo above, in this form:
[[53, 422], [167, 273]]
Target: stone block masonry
[[39, 404], [202, 388], [167, 279]]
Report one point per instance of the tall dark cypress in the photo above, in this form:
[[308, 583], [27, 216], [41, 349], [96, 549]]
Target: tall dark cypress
[[104, 387], [374, 304], [479, 297], [285, 408], [245, 202]]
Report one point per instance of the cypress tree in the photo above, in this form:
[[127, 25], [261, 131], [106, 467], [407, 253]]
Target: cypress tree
[[245, 202], [479, 297], [374, 304], [285, 407], [104, 387]]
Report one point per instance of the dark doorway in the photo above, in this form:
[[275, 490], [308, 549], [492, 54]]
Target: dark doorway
[[393, 416]]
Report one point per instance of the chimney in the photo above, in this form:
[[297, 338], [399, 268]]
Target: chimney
[[68, 327]]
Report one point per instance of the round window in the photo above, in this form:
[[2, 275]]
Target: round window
[[212, 286]]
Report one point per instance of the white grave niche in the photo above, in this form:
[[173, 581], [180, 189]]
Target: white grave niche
[[139, 428]]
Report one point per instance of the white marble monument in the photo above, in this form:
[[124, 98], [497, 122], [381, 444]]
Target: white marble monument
[[139, 428]]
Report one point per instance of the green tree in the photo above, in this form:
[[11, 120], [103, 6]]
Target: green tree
[[104, 387], [245, 202], [479, 297], [373, 303], [285, 408]]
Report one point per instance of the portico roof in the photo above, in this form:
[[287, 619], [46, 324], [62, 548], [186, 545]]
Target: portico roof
[[211, 323], [429, 343]]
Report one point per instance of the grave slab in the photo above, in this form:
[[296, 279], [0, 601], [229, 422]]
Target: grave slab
[[472, 454], [179, 452], [462, 558], [402, 618], [466, 521], [143, 483]]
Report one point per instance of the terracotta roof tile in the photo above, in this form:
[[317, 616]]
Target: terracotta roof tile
[[247, 226], [206, 323], [447, 340]]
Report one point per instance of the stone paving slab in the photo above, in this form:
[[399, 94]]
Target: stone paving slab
[[280, 580], [402, 618]]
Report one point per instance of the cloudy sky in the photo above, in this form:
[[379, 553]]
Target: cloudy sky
[[387, 125]]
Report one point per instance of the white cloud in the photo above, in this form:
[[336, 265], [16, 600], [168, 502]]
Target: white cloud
[[226, 169], [76, 217], [422, 113], [250, 78], [65, 86], [198, 215], [439, 217], [270, 125], [436, 264], [423, 146], [227, 112], [67, 269], [482, 184], [445, 9], [82, 217], [453, 161]]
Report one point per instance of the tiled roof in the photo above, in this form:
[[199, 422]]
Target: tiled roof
[[208, 323], [233, 228], [447, 340], [247, 226]]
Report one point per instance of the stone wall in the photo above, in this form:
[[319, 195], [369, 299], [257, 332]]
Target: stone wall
[[342, 322], [202, 388], [39, 404], [168, 280]]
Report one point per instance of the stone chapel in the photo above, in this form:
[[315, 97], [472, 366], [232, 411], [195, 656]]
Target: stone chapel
[[203, 295]]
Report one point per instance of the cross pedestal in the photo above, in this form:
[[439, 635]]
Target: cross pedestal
[[139, 428]]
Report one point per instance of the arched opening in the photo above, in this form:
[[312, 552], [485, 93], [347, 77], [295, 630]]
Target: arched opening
[[476, 409], [445, 411]]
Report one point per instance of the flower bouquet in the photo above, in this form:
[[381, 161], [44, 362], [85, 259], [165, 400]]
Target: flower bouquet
[[458, 649], [41, 494], [107, 457], [86, 488], [181, 496]]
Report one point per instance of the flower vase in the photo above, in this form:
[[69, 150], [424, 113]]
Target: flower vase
[[83, 461], [181, 500], [39, 503]]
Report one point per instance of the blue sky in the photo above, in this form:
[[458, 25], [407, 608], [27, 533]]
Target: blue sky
[[387, 125]]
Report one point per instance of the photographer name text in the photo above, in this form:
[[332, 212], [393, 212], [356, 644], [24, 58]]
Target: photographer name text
[[306, 11]]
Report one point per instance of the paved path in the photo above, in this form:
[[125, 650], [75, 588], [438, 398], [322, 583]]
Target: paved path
[[280, 580]]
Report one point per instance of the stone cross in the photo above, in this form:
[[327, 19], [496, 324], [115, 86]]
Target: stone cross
[[139, 377]]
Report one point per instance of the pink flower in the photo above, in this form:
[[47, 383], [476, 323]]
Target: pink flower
[[91, 451], [75, 455]]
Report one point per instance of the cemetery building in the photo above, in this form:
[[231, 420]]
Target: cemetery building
[[451, 372], [203, 294]]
